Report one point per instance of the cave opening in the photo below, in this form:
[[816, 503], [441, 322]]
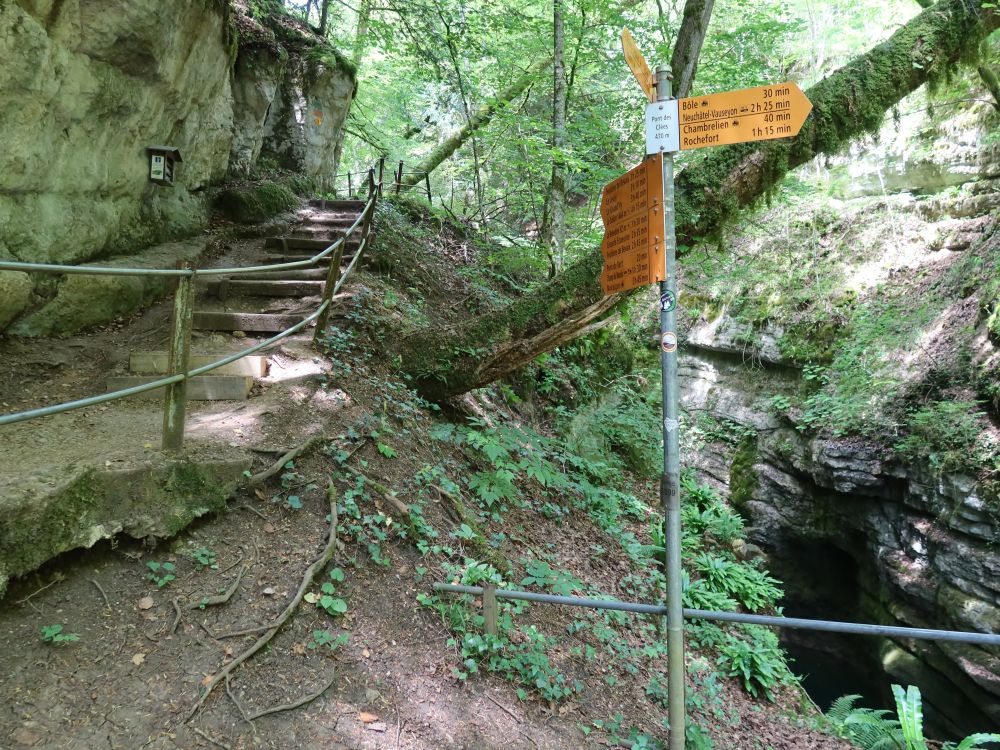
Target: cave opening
[[824, 582]]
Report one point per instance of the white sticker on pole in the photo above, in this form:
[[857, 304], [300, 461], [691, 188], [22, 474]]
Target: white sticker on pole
[[663, 131]]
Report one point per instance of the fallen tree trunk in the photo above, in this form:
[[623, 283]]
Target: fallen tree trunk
[[849, 103]]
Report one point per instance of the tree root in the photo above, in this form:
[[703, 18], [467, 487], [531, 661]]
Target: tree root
[[258, 479], [307, 580], [384, 491], [296, 704], [211, 601], [205, 736]]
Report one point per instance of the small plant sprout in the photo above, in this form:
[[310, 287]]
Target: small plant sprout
[[326, 599], [54, 634], [322, 638], [160, 573], [204, 558]]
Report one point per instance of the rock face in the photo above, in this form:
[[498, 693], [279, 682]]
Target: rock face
[[857, 535], [87, 86]]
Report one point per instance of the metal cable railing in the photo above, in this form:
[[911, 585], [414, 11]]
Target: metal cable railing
[[175, 383]]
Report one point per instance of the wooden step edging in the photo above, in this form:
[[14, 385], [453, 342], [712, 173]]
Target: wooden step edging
[[227, 321], [224, 288], [201, 388], [156, 363]]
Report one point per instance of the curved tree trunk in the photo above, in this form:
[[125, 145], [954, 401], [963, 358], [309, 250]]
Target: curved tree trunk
[[849, 103], [480, 118]]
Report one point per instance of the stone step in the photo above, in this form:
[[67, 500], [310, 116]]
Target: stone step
[[201, 388], [155, 363], [226, 321], [317, 233], [308, 243], [292, 274], [338, 205], [225, 288]]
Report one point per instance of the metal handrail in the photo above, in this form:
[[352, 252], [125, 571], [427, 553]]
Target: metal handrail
[[185, 272], [173, 435], [830, 626]]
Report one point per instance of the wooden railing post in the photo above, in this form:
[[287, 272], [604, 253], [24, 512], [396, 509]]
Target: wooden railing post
[[427, 182], [350, 186], [175, 399], [490, 608], [381, 172], [399, 177], [332, 277]]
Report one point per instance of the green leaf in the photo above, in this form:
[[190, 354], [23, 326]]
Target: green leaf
[[386, 450], [336, 574]]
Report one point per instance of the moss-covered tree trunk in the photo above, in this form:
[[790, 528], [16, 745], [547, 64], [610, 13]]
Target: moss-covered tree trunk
[[849, 103]]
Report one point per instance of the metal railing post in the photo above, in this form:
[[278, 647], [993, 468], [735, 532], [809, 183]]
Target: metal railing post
[[175, 397], [399, 177]]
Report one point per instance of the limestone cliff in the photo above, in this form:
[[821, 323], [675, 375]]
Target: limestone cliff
[[848, 404], [86, 86]]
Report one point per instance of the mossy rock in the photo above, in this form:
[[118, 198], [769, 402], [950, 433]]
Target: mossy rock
[[45, 515], [256, 203], [15, 295], [743, 479]]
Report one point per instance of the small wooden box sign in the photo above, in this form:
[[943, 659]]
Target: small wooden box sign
[[161, 164]]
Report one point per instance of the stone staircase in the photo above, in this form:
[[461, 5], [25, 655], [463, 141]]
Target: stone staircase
[[263, 302]]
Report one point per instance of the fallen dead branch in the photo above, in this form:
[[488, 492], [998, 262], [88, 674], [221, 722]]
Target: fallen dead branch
[[258, 479], [103, 593], [208, 738], [307, 580]]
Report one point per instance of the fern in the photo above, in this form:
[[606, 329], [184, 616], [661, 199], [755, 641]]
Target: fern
[[867, 728], [911, 716], [974, 741]]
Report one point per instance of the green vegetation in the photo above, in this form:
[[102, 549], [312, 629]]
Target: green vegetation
[[54, 634], [875, 729], [160, 573], [257, 202]]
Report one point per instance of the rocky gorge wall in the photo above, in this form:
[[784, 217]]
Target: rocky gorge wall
[[856, 528], [87, 85]]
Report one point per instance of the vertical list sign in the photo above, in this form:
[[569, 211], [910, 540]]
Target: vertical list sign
[[632, 210]]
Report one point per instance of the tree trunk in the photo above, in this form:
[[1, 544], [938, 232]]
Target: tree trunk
[[324, 15], [991, 82], [557, 190], [849, 103], [687, 50], [481, 117], [361, 31]]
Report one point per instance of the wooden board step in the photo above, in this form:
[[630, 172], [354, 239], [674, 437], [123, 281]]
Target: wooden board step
[[317, 232], [155, 363], [337, 205], [226, 321], [201, 388], [331, 220], [308, 243], [225, 288], [289, 258], [292, 274]]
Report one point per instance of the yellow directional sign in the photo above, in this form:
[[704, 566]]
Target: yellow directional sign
[[757, 114], [632, 210], [638, 64]]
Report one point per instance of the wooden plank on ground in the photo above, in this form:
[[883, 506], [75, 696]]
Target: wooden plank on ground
[[202, 388], [155, 363], [227, 321], [291, 274]]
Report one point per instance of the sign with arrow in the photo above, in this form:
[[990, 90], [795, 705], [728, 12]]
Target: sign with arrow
[[758, 114], [632, 210], [637, 64]]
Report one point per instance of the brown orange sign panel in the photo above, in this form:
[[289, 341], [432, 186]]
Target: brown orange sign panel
[[757, 114], [632, 209], [637, 63]]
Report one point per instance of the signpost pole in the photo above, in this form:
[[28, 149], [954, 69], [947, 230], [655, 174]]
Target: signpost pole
[[670, 480]]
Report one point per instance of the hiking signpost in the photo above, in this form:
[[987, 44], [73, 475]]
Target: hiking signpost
[[640, 248]]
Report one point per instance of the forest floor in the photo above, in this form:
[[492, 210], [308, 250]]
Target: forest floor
[[381, 669]]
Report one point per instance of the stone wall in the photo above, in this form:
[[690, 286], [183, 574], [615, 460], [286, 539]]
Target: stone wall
[[87, 85]]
